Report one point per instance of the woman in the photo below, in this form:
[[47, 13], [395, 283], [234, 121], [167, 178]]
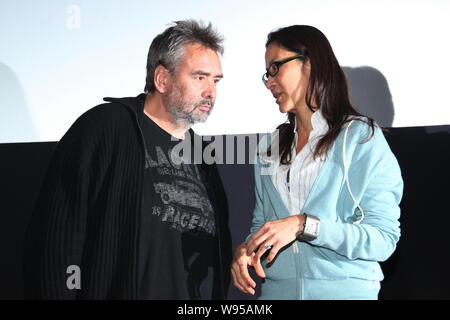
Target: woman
[[327, 199]]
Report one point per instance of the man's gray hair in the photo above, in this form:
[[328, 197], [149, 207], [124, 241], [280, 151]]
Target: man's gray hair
[[168, 47]]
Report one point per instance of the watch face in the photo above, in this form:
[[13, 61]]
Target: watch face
[[312, 226], [311, 229]]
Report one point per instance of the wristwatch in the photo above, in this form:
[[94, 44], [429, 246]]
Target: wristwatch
[[310, 228]]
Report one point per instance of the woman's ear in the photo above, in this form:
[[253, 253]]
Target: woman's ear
[[161, 79]]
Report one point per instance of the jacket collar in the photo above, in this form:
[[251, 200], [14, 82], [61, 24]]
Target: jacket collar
[[135, 104]]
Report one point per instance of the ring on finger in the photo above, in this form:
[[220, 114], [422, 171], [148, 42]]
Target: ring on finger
[[267, 246]]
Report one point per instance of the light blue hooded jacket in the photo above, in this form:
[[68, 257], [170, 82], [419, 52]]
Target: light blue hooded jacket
[[342, 250]]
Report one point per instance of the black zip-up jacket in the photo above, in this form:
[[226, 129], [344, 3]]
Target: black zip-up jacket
[[89, 209]]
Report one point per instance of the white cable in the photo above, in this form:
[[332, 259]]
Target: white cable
[[344, 157]]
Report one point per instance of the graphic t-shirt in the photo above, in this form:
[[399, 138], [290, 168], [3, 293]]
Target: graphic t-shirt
[[178, 243]]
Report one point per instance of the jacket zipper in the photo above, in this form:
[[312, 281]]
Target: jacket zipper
[[219, 243], [295, 247], [142, 186]]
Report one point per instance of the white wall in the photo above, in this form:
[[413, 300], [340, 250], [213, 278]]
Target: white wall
[[59, 58]]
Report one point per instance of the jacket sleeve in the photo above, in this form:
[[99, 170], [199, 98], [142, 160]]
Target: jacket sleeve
[[375, 238], [258, 213], [57, 229]]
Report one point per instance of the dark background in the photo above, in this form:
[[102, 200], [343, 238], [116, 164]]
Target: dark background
[[419, 268]]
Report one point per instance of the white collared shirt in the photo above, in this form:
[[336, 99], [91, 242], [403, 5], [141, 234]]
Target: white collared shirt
[[293, 182]]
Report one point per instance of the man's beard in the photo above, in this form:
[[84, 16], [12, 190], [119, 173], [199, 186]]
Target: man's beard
[[185, 112]]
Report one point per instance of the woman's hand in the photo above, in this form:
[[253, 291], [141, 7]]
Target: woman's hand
[[274, 235], [239, 269]]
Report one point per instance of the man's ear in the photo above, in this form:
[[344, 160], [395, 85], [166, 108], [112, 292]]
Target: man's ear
[[162, 79]]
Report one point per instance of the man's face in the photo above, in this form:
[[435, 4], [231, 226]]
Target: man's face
[[192, 89]]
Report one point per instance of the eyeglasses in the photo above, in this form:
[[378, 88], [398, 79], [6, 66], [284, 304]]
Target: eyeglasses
[[275, 66]]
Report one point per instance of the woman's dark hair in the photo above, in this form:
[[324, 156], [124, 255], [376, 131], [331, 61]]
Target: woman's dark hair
[[327, 87]]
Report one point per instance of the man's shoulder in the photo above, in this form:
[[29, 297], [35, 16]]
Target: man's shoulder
[[114, 113], [106, 112], [103, 120]]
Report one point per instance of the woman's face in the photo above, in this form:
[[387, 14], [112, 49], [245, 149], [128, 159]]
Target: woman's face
[[290, 84]]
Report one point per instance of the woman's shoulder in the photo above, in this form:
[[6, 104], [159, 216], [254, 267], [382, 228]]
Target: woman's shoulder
[[361, 128], [365, 138]]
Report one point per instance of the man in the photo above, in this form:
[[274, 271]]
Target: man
[[117, 217]]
